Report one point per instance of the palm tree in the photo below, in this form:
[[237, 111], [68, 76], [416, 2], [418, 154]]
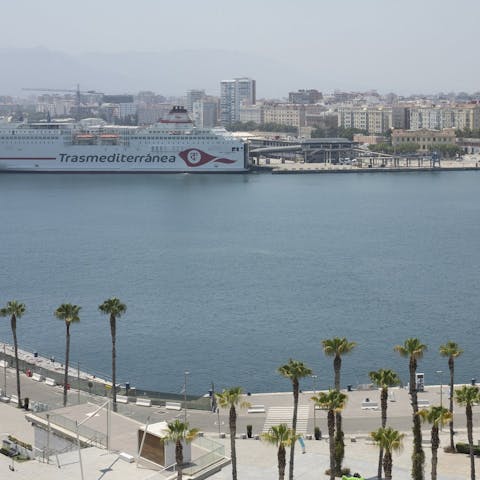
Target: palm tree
[[15, 310], [115, 308], [334, 402], [436, 416], [336, 347], [232, 398], [389, 440], [294, 370], [467, 396], [452, 351], [413, 349], [69, 314], [280, 436], [383, 379], [179, 433]]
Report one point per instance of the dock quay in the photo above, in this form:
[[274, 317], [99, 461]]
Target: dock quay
[[278, 168]]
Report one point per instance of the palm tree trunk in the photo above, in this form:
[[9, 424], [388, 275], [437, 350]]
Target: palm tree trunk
[[114, 356], [281, 462], [337, 365], [339, 443], [387, 465], [451, 366], [383, 406], [67, 355], [331, 440], [380, 463], [179, 459], [233, 433], [468, 412], [13, 323], [294, 427], [435, 445], [418, 456]]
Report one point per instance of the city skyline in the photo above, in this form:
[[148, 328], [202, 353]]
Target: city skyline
[[406, 47]]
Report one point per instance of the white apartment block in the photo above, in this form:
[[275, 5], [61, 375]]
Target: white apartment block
[[126, 109], [373, 120], [192, 97], [150, 114], [205, 113], [233, 94], [284, 114], [252, 113], [445, 116]]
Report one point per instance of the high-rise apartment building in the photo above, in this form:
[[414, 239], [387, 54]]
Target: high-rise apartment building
[[192, 97], [233, 94], [205, 112]]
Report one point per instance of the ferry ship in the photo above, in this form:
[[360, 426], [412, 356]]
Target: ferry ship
[[173, 144]]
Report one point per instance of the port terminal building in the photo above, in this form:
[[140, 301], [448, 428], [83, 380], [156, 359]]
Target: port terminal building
[[310, 150]]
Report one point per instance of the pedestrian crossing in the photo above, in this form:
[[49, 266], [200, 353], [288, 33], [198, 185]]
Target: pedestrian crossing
[[278, 415]]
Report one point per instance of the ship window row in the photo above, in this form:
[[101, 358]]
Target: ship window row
[[22, 142], [26, 137]]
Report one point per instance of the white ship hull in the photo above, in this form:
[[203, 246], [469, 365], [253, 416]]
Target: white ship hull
[[75, 158], [171, 145]]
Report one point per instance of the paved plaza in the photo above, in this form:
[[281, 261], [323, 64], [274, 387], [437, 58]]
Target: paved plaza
[[256, 460]]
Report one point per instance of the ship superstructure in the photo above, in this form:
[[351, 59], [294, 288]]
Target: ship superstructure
[[173, 144]]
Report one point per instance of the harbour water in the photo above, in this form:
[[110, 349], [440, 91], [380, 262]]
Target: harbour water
[[228, 276]]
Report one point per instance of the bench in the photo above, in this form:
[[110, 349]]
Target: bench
[[143, 402], [37, 377], [4, 399], [256, 409], [122, 399], [369, 405], [51, 382], [13, 399], [173, 406], [423, 403]]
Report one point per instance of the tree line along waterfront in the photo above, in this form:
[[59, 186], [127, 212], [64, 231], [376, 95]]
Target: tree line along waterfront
[[332, 402], [388, 439]]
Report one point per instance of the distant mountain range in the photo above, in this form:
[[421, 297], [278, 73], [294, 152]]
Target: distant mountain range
[[172, 73], [166, 73]]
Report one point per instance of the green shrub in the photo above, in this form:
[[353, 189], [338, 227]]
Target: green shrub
[[465, 448]]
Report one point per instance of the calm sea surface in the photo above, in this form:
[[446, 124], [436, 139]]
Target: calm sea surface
[[228, 276]]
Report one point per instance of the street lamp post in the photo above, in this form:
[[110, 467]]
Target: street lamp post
[[314, 378], [439, 373], [185, 394], [4, 371]]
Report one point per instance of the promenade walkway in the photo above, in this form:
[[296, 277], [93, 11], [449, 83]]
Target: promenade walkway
[[256, 460]]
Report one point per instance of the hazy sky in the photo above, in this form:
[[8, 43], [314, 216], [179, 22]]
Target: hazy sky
[[407, 45]]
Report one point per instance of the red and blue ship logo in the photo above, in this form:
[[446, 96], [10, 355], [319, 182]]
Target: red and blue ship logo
[[196, 158]]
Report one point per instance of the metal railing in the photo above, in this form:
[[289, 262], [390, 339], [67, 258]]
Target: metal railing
[[98, 387], [216, 452], [91, 436]]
